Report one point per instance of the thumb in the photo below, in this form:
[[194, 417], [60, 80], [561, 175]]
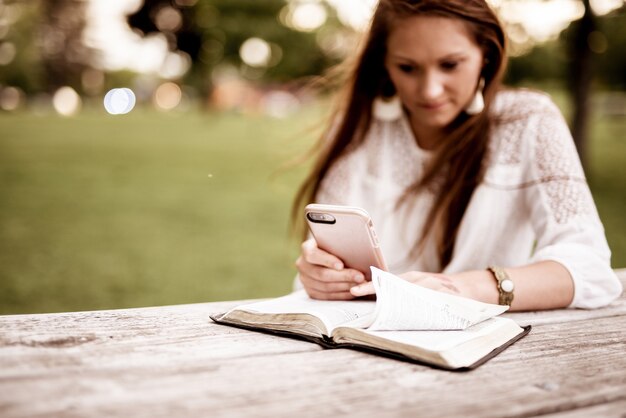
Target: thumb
[[363, 289]]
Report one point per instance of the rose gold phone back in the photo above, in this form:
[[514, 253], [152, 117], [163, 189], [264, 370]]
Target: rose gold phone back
[[352, 239]]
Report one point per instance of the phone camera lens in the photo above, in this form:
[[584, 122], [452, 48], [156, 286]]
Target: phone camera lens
[[321, 217]]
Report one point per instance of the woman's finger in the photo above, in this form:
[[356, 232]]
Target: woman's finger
[[324, 274], [363, 289], [315, 255], [338, 287], [314, 294]]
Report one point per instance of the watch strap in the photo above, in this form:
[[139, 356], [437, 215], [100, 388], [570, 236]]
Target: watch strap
[[505, 285]]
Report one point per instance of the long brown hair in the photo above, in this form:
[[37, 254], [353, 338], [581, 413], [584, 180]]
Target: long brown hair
[[457, 166]]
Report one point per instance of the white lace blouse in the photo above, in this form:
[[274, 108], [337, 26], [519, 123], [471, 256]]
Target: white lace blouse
[[534, 203]]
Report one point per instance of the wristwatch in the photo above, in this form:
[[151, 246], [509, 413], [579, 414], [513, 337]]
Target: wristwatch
[[505, 285]]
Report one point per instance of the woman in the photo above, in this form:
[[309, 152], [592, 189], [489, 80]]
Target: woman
[[474, 190]]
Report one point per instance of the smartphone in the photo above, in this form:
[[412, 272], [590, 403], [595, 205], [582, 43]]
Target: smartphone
[[348, 233]]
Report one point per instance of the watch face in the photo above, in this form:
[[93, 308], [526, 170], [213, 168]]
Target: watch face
[[507, 285]]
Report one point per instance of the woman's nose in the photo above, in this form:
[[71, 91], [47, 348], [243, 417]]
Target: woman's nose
[[431, 88]]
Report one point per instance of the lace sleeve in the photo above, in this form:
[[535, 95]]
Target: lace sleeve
[[558, 170], [563, 214]]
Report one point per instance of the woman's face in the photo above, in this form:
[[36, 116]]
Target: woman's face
[[435, 66]]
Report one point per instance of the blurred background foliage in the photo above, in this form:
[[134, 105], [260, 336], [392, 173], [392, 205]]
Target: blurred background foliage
[[186, 198]]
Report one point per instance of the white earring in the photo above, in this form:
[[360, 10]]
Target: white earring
[[478, 102], [387, 109]]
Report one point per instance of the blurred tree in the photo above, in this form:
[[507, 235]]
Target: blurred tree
[[212, 32], [609, 43], [549, 62], [46, 39], [589, 53], [590, 60], [581, 75], [20, 57], [63, 53], [545, 63]]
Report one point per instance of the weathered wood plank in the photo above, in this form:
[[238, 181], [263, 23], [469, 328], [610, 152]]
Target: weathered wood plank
[[132, 332], [617, 308], [172, 361], [557, 367], [607, 410]]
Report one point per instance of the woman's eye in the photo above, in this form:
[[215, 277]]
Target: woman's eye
[[449, 65], [406, 68]]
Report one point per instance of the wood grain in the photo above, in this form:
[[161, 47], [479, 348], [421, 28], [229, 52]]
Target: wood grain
[[609, 409], [173, 361]]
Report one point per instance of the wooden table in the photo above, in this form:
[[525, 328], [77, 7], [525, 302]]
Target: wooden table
[[173, 361]]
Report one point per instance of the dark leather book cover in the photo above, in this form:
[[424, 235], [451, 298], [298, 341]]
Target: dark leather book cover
[[326, 342]]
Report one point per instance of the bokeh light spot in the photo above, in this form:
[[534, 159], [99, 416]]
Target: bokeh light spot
[[168, 19], [119, 101], [7, 53], [10, 98], [66, 101], [167, 96], [308, 16], [255, 52], [602, 7], [175, 65]]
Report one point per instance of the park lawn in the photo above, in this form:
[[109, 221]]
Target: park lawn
[[147, 209], [101, 211], [607, 179]]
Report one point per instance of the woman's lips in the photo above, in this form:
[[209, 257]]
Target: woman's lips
[[432, 106]]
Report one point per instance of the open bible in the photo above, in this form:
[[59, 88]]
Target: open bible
[[405, 321]]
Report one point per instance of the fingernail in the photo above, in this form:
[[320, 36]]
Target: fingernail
[[358, 277], [338, 266], [356, 290]]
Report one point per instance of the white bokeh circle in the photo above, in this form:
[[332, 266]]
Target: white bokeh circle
[[119, 101]]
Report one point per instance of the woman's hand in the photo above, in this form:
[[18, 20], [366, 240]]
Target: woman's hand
[[532, 291], [323, 275], [434, 281]]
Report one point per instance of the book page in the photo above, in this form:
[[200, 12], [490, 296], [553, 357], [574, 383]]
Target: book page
[[406, 306], [440, 340], [331, 313]]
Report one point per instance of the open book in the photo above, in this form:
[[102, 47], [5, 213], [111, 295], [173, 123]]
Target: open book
[[406, 321]]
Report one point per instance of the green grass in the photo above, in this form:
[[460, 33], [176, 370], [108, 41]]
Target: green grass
[[148, 209], [607, 178]]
